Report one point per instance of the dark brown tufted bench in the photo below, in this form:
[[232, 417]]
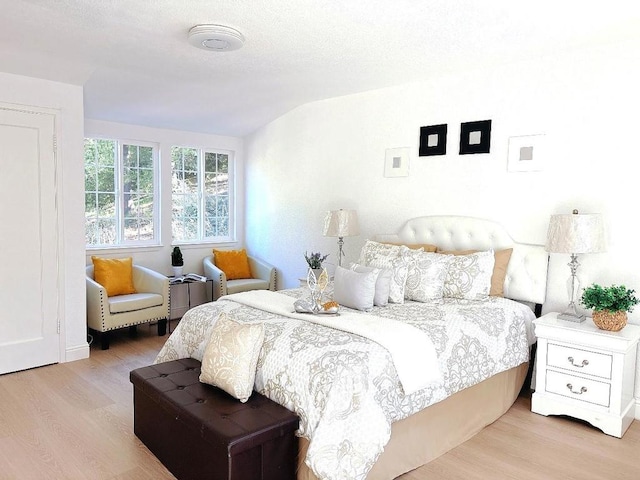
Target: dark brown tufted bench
[[200, 432]]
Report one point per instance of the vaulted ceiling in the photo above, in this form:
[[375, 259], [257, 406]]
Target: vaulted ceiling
[[136, 66]]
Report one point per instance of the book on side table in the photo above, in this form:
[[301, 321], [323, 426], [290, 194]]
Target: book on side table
[[189, 277]]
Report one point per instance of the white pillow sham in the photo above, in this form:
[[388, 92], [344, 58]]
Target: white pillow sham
[[383, 283], [469, 276], [354, 289], [231, 356], [427, 273], [391, 257]]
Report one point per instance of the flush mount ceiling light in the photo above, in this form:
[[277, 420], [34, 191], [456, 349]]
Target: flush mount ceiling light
[[215, 38]]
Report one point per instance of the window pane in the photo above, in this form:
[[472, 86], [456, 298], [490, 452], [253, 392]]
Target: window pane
[[145, 181], [145, 159], [129, 156], [106, 153], [106, 232], [106, 179], [223, 163], [130, 180]]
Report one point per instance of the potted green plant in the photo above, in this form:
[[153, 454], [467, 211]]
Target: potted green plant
[[610, 305], [177, 262]]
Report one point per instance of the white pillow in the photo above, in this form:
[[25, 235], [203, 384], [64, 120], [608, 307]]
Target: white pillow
[[469, 276], [426, 276], [353, 289], [385, 256], [383, 283], [231, 357]]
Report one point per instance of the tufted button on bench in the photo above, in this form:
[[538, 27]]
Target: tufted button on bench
[[200, 432]]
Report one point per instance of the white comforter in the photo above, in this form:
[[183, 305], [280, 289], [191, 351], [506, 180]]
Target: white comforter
[[345, 388]]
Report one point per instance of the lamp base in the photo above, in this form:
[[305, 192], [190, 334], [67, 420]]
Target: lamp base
[[572, 317]]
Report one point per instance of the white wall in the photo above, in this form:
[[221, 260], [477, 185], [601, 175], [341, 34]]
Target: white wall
[[330, 154], [67, 100], [159, 257]]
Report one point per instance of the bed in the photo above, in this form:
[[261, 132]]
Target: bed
[[356, 419]]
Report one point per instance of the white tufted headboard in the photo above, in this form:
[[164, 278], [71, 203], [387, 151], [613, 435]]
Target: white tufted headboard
[[526, 278]]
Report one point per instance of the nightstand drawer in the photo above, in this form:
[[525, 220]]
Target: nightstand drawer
[[578, 388], [579, 361]]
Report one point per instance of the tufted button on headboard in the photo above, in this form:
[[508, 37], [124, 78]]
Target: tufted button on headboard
[[526, 278]]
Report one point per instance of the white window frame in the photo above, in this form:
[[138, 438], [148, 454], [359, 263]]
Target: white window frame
[[121, 242], [201, 239]]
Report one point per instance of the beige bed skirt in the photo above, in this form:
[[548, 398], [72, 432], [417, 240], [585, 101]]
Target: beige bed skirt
[[426, 435]]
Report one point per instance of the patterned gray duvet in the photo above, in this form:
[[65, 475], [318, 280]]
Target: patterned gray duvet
[[345, 388]]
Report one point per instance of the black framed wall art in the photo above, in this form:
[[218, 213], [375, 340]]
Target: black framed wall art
[[433, 140], [475, 137]]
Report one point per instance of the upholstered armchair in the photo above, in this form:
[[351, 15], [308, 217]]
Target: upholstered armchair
[[151, 302], [264, 278]]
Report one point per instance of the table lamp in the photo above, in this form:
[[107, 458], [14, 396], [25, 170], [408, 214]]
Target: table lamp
[[341, 223], [575, 234]]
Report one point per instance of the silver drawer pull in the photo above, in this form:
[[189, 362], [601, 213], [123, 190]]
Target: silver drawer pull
[[584, 362], [582, 389]]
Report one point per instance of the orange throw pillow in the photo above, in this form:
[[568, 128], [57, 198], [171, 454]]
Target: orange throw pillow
[[114, 274], [234, 263]]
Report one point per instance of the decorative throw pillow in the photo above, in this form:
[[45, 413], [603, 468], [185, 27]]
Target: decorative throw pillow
[[231, 356], [469, 276], [426, 276], [501, 258], [234, 263], [383, 283], [427, 247], [353, 289], [386, 256], [114, 274]]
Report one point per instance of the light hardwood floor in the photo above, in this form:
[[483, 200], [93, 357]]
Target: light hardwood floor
[[75, 421]]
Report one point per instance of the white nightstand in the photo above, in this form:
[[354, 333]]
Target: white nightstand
[[586, 373]]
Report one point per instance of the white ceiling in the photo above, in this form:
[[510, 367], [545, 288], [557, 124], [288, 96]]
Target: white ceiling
[[135, 63]]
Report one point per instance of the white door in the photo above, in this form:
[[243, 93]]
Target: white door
[[29, 277]]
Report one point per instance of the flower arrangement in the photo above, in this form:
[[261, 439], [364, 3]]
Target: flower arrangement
[[616, 298], [314, 260]]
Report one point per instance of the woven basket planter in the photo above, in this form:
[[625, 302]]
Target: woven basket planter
[[608, 320]]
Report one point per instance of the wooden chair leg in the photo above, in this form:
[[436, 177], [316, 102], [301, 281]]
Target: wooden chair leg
[[162, 327], [104, 340]]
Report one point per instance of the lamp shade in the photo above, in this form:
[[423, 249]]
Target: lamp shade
[[341, 223], [575, 233]]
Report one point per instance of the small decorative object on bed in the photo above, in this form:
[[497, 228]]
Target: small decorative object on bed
[[177, 262], [575, 233], [610, 305]]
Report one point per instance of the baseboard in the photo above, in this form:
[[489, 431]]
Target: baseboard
[[637, 412], [77, 352]]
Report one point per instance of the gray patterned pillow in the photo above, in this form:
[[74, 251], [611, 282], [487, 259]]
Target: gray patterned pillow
[[231, 357], [385, 256], [426, 276], [469, 276]]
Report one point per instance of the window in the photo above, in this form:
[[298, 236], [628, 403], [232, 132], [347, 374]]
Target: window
[[120, 199], [202, 198]]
